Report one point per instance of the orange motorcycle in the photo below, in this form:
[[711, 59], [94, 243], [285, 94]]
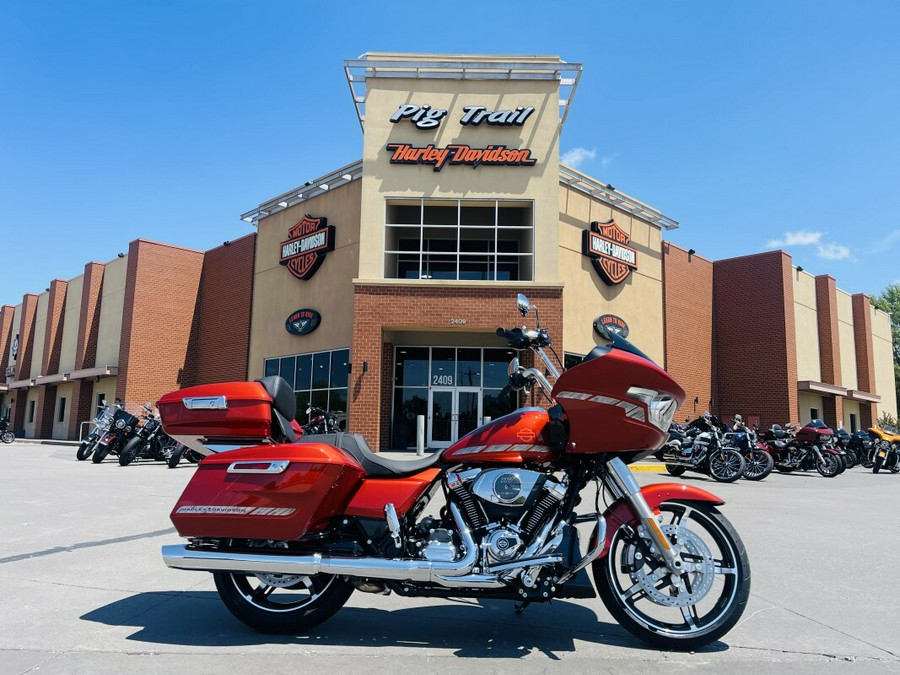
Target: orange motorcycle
[[886, 449]]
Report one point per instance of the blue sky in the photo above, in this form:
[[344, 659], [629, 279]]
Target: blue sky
[[754, 124]]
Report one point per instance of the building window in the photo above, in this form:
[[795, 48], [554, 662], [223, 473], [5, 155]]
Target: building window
[[459, 240], [31, 412], [319, 379], [571, 360], [813, 413], [61, 410], [853, 423], [101, 402]]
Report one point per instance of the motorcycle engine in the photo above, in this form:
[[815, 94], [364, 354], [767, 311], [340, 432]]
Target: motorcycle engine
[[507, 505]]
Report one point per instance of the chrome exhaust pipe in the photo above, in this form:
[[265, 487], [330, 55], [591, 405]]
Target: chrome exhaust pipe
[[426, 571]]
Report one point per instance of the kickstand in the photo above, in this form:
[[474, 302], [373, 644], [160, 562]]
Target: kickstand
[[520, 606]]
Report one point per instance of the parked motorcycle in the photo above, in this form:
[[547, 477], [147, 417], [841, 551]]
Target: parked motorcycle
[[843, 441], [320, 422], [121, 428], [803, 448], [180, 451], [6, 436], [700, 446], [863, 444], [886, 450], [100, 424], [149, 440], [290, 530], [758, 463]]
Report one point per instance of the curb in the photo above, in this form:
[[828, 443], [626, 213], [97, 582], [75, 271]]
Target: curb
[[647, 467]]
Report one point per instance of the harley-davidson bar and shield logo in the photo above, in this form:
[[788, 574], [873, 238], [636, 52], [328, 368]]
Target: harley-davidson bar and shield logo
[[308, 242], [606, 244]]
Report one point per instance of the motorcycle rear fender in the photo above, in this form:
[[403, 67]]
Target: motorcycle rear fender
[[620, 513]]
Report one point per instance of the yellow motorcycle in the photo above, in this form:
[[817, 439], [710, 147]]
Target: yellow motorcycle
[[886, 450]]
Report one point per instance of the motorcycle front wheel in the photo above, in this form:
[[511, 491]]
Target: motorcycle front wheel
[[758, 465], [175, 457], [85, 448], [7, 436], [867, 459], [281, 603], [879, 462], [696, 608], [130, 451], [726, 465], [100, 453], [829, 465]]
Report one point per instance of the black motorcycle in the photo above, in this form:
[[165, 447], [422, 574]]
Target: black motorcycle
[[121, 428], [180, 452], [6, 436], [149, 441], [700, 447], [101, 423], [757, 462], [320, 422]]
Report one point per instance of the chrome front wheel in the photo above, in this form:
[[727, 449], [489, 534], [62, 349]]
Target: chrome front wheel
[[726, 465], [677, 611]]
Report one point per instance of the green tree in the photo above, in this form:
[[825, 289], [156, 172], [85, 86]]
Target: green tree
[[888, 301]]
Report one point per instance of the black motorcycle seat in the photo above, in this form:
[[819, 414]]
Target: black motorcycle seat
[[282, 395], [779, 444], [374, 464]]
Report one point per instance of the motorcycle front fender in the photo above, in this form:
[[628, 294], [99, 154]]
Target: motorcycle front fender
[[619, 513]]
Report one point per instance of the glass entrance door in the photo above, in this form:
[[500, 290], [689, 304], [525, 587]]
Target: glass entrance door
[[452, 412]]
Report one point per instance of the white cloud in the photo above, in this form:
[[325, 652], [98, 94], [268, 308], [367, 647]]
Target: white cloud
[[885, 243], [798, 238], [577, 156], [833, 251]]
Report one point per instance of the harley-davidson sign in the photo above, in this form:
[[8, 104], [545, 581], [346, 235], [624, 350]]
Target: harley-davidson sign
[[303, 322], [308, 242], [438, 158], [606, 244]]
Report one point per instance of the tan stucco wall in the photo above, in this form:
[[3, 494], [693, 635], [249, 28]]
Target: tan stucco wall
[[884, 362], [638, 300], [107, 387], [61, 429], [851, 407], [17, 321], [40, 333], [112, 304], [805, 401], [277, 293], [31, 396], [809, 366], [383, 180], [848, 342], [71, 317]]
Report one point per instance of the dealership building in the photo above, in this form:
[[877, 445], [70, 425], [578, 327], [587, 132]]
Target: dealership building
[[376, 289]]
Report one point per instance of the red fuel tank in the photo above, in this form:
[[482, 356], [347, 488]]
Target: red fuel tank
[[519, 437]]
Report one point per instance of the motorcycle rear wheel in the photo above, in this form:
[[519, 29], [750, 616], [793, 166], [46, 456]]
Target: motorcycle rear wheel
[[277, 603], [712, 596], [759, 464], [175, 457], [675, 470], [829, 466], [7, 436], [850, 459], [726, 465]]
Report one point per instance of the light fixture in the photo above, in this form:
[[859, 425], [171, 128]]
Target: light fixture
[[347, 176], [299, 195], [226, 243], [799, 269], [247, 219], [610, 187], [282, 204], [121, 255], [691, 251], [309, 182], [365, 367], [324, 186]]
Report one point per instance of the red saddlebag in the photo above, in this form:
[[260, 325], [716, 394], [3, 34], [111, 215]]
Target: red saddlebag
[[279, 492]]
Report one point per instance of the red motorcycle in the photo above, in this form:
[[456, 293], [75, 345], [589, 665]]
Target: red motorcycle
[[804, 448], [290, 529]]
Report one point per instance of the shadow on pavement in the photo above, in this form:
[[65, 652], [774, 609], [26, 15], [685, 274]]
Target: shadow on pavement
[[472, 629]]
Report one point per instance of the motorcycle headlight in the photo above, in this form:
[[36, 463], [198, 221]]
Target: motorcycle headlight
[[660, 407], [120, 424], [824, 438], [127, 429]]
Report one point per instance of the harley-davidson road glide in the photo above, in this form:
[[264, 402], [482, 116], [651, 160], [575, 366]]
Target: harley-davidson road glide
[[291, 527]]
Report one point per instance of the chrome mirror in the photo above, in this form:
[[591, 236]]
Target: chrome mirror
[[513, 366], [523, 304]]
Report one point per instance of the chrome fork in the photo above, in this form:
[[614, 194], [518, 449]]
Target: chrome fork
[[624, 486]]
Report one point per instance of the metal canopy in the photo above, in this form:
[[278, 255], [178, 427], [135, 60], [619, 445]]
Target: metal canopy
[[609, 195], [435, 67]]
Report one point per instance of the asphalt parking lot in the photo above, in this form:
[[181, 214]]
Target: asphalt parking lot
[[86, 589]]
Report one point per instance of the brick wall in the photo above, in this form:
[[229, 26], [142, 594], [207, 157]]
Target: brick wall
[[688, 317], [423, 307], [159, 323], [865, 356], [226, 297], [7, 312], [25, 330], [756, 350], [86, 346], [46, 403]]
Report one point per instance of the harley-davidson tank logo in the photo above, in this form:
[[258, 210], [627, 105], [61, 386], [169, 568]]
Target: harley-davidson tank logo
[[308, 242], [526, 435], [606, 244]]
